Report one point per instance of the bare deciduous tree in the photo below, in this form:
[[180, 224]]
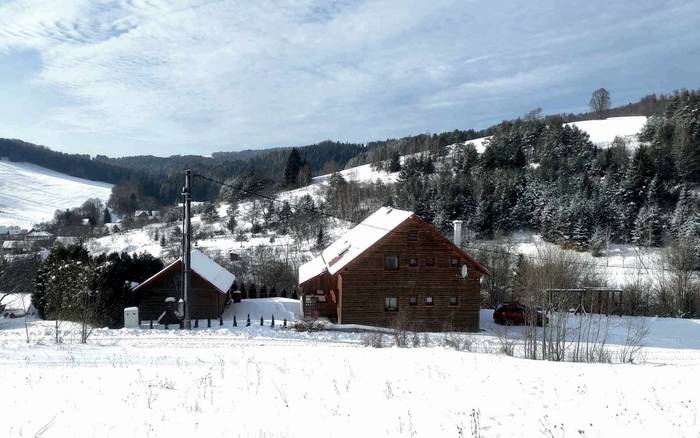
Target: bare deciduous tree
[[600, 102]]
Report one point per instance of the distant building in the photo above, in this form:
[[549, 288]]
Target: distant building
[[394, 265], [146, 214], [210, 288], [39, 236]]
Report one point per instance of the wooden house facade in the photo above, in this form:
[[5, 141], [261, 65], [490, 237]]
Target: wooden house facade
[[394, 268], [210, 289]]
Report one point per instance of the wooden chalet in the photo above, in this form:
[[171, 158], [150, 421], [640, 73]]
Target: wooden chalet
[[210, 288], [394, 265]]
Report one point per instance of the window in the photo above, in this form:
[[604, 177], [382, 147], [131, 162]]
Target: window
[[391, 262], [413, 261], [453, 301], [454, 261], [412, 236], [391, 304], [428, 301], [429, 261], [413, 301]]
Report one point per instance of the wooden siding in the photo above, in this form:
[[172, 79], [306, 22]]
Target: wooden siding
[[206, 301], [365, 283], [328, 308]]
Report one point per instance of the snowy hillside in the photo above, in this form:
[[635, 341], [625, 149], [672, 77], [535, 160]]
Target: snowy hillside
[[31, 193], [603, 132]]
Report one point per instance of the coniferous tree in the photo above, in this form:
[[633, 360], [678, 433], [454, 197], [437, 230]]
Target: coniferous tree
[[294, 164]]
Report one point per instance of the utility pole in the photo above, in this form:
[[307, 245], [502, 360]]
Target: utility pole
[[186, 251]]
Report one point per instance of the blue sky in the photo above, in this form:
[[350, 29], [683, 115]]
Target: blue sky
[[161, 77]]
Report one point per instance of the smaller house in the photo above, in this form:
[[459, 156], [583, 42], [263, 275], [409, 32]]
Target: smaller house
[[39, 236], [210, 288], [146, 214]]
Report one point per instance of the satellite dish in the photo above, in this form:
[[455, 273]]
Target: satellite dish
[[465, 271]]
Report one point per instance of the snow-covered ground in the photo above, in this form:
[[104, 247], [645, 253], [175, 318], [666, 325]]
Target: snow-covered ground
[[30, 194], [275, 382], [603, 132], [620, 264]]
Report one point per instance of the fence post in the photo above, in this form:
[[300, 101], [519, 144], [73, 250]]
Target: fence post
[[272, 324], [234, 321]]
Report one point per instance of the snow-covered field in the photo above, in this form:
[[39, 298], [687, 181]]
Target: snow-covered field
[[30, 194], [271, 382], [603, 132]]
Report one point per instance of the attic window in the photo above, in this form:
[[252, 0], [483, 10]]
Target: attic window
[[454, 261], [391, 262], [413, 236]]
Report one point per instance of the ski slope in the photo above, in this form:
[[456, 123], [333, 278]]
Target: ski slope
[[30, 194]]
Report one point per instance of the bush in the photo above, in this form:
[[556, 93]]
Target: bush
[[308, 325], [374, 340]]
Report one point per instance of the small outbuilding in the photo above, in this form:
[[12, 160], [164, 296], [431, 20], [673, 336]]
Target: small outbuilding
[[210, 289]]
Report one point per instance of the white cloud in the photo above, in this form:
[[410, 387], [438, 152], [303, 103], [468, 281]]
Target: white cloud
[[174, 76]]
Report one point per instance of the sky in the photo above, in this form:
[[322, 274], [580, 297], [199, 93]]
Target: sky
[[163, 77]]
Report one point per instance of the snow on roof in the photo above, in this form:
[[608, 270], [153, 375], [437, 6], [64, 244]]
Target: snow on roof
[[206, 268], [362, 236], [354, 242], [211, 271], [311, 269], [39, 233]]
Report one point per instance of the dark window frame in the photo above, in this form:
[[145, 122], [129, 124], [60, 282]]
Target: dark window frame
[[454, 261], [429, 261], [412, 236], [413, 300], [413, 261], [386, 266], [451, 298], [432, 300], [387, 307]]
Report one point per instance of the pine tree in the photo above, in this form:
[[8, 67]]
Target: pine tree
[[395, 162], [273, 292], [647, 227], [263, 291], [294, 163], [252, 293], [320, 237], [283, 294], [107, 217]]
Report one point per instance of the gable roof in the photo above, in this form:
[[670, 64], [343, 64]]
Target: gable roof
[[206, 268], [360, 238]]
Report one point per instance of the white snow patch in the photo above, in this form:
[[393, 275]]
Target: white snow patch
[[603, 132], [30, 194]]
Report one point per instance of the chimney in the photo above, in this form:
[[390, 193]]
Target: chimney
[[457, 237]]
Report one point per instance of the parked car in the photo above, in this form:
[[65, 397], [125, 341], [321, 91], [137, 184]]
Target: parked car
[[516, 314]]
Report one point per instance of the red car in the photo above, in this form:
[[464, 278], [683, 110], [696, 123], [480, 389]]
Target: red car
[[515, 314]]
